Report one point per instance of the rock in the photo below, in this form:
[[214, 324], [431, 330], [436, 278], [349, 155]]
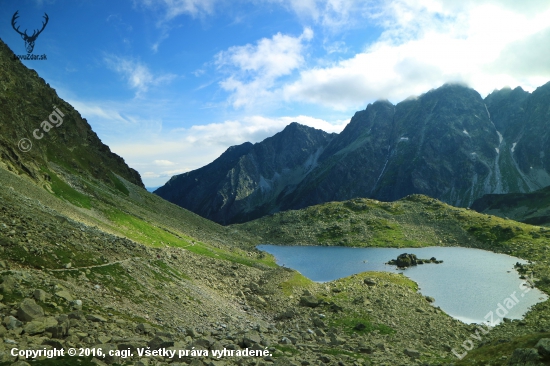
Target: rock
[[34, 327], [53, 343], [429, 299], [369, 282], [524, 357], [336, 341], [251, 338], [405, 260], [319, 323], [64, 294], [543, 347], [106, 348], [60, 328], [104, 339], [39, 295], [145, 328], [39, 326], [360, 326], [364, 348], [412, 353], [216, 346], [8, 284], [309, 301], [160, 342], [12, 323], [76, 304], [96, 318], [29, 310], [285, 340], [77, 315]]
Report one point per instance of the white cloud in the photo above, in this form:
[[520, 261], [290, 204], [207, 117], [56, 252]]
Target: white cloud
[[252, 129], [163, 162], [136, 74], [430, 42], [332, 14], [174, 8], [254, 69]]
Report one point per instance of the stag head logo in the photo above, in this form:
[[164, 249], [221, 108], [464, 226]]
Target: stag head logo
[[29, 40]]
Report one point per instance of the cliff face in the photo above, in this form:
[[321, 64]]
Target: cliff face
[[30, 109], [448, 143]]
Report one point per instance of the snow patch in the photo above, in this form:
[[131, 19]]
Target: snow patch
[[488, 114], [404, 139], [499, 137], [514, 146], [497, 149], [465, 132]]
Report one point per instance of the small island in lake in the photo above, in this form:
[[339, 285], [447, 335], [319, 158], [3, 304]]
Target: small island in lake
[[406, 260]]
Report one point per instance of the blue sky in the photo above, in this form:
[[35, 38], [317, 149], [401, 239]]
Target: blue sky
[[170, 84]]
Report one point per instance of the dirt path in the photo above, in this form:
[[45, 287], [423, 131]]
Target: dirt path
[[95, 266]]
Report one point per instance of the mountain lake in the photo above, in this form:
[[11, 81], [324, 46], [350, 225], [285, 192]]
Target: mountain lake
[[468, 285]]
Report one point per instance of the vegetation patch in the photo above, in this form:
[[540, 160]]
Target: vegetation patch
[[297, 281], [65, 191]]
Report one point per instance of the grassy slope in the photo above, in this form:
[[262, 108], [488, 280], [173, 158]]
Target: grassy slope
[[532, 208], [414, 221], [132, 212]]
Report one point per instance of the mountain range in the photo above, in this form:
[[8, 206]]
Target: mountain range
[[449, 143]]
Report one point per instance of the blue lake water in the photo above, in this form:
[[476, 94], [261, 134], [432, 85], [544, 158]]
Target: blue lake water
[[468, 285]]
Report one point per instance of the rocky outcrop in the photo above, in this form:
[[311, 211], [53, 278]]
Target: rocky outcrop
[[407, 260]]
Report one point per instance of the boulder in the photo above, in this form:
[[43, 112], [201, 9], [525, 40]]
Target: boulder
[[145, 328], [369, 282], [29, 310], [160, 342], [39, 295], [309, 301], [412, 353], [543, 347], [8, 284], [251, 338], [406, 260], [61, 328], [12, 323], [64, 294], [106, 348], [39, 326]]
